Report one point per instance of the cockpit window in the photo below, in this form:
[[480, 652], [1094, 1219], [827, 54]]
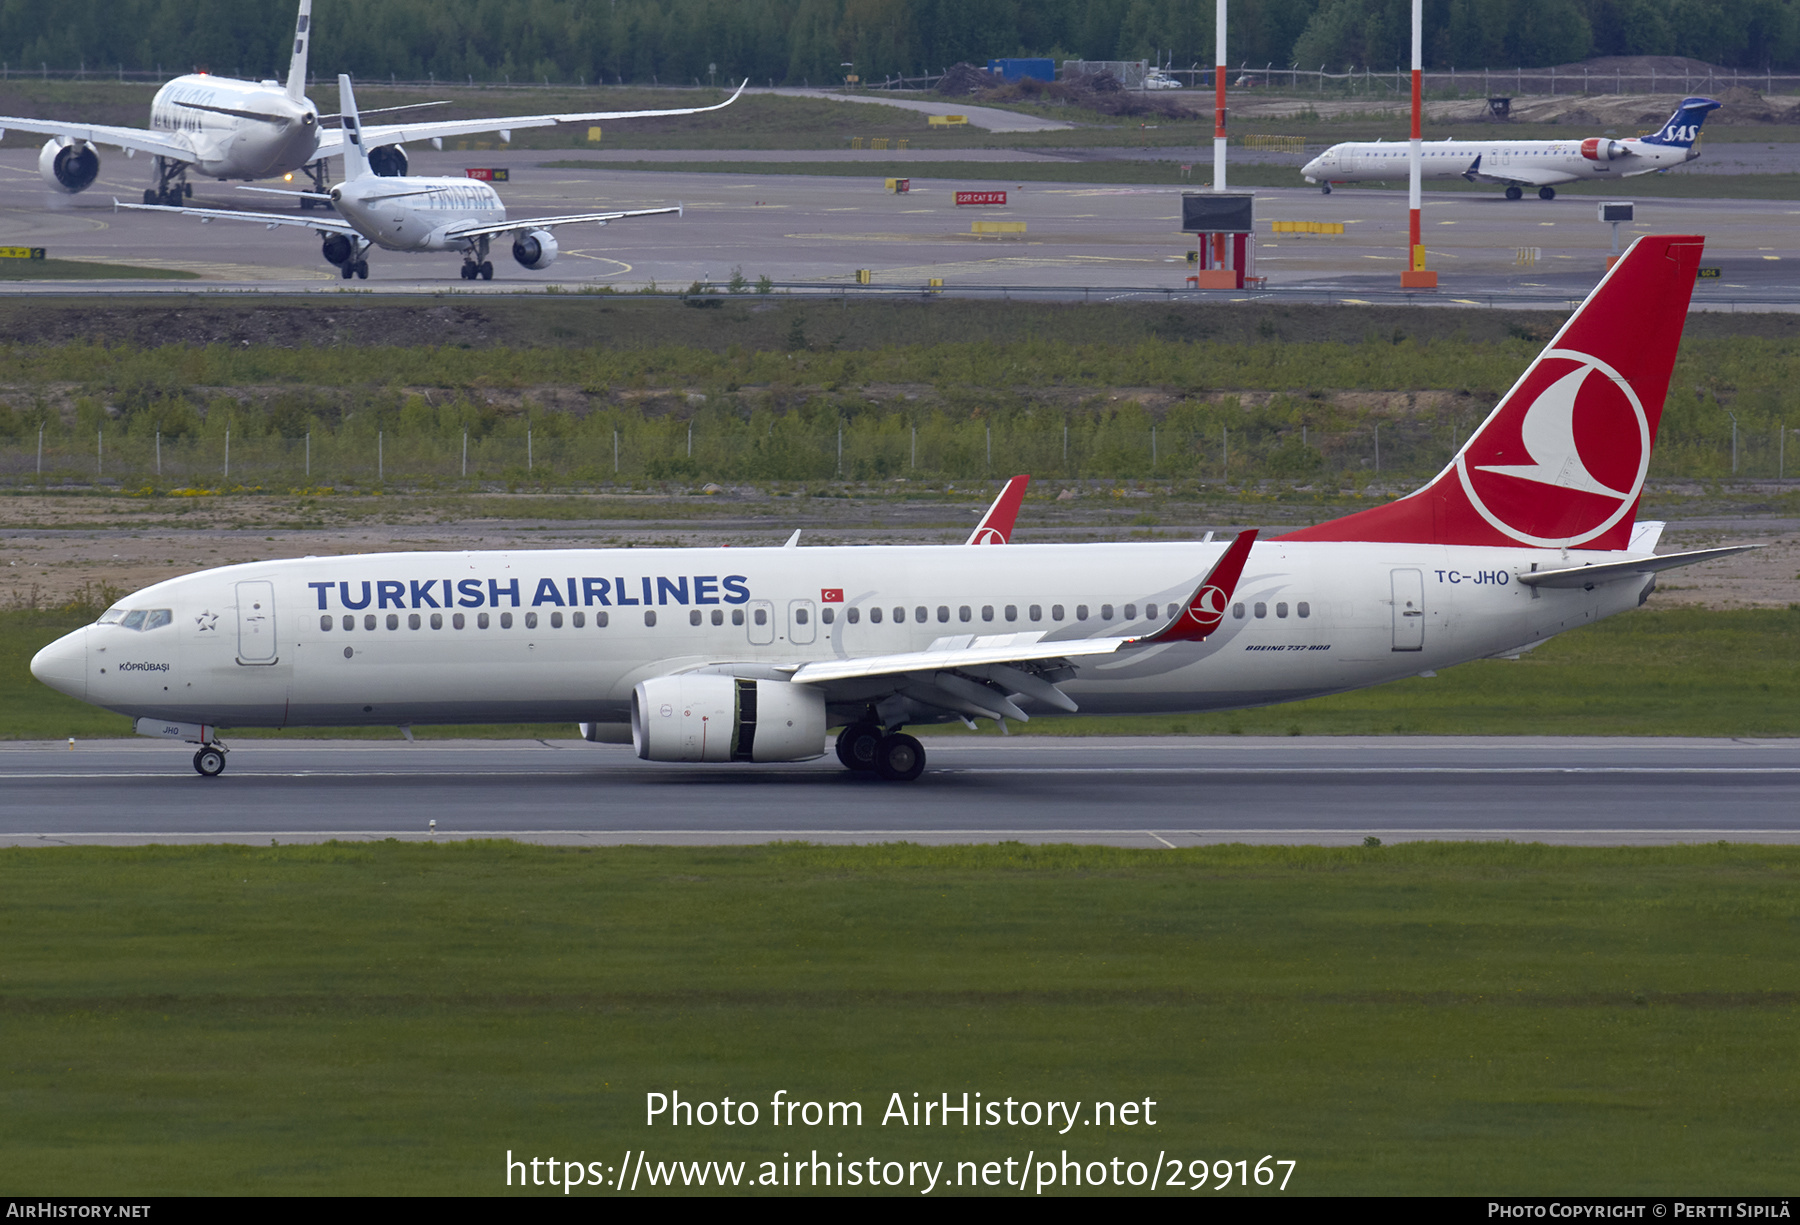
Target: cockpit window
[[111, 616], [138, 618], [158, 617], [134, 620]]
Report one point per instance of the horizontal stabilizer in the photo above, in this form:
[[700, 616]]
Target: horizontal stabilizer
[[1611, 571]]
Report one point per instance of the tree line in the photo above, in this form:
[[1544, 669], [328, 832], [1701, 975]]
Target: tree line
[[796, 41]]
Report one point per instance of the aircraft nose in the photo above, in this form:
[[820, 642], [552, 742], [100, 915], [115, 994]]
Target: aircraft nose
[[63, 664]]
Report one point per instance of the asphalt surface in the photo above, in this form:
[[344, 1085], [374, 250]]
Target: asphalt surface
[[1080, 239], [1128, 792]]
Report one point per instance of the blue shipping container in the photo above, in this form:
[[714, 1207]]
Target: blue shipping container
[[1015, 70]]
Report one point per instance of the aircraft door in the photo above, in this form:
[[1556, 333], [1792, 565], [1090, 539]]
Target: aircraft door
[[1409, 610], [762, 623], [256, 623], [803, 624]]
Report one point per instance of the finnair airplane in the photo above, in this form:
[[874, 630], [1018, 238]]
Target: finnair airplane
[[228, 129], [409, 214], [751, 655], [1519, 164]]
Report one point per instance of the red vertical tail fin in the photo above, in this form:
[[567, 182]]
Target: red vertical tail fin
[[1561, 460], [996, 526]]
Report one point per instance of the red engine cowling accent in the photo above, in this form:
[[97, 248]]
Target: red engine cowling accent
[[1596, 149]]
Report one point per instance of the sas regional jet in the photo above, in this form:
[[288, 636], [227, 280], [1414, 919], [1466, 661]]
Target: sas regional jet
[[1518, 165], [227, 129], [751, 655]]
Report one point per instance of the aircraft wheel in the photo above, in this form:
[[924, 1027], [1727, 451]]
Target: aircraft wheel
[[468, 272], [1325, 189], [150, 195], [857, 745], [899, 758], [186, 189], [209, 762], [347, 271], [1546, 193], [362, 269], [1514, 193], [487, 271]]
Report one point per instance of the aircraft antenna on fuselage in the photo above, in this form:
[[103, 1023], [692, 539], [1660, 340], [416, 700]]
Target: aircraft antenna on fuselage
[[296, 78]]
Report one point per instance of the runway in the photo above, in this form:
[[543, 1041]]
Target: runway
[[1142, 792]]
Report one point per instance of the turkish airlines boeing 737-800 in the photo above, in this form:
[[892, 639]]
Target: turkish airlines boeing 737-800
[[229, 129], [1540, 165], [751, 655]]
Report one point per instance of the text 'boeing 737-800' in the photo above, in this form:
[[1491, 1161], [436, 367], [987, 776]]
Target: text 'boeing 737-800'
[[228, 129], [752, 655]]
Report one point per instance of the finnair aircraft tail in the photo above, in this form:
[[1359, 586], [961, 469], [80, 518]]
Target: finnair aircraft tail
[[296, 77], [356, 158]]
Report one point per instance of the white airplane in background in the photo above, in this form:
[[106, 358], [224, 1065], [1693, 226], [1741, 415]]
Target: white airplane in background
[[750, 655], [409, 214], [228, 129], [1519, 164]]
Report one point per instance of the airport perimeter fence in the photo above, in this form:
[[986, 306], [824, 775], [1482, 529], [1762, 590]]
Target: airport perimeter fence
[[1210, 443]]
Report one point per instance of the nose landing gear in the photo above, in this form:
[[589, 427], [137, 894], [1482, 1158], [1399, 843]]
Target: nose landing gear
[[209, 761]]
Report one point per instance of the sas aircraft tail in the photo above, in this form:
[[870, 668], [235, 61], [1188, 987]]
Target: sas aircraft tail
[[1683, 127], [1561, 461]]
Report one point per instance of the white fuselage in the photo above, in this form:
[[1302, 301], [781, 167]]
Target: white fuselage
[[416, 214], [480, 637], [282, 139], [1536, 161]]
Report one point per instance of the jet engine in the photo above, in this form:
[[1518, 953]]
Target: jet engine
[[342, 249], [535, 250], [1596, 149], [388, 161], [69, 166], [695, 717]]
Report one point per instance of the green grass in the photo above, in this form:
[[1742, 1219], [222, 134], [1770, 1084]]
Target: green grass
[[1673, 672], [84, 270], [392, 1019]]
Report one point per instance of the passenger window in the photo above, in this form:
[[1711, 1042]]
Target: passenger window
[[1237, 611], [325, 622], [1261, 610], [393, 621], [1303, 608], [437, 621], [412, 621], [899, 615], [737, 616], [852, 615], [920, 615], [601, 619], [530, 621], [762, 616], [457, 621], [368, 621], [718, 617], [506, 621], [555, 620], [799, 616], [1081, 612], [874, 616], [987, 612], [158, 618], [827, 615], [481, 621], [577, 619], [1281, 609], [1106, 612], [134, 620], [1035, 612], [1056, 612], [349, 622], [1131, 612], [962, 614], [693, 616], [649, 616], [1012, 612]]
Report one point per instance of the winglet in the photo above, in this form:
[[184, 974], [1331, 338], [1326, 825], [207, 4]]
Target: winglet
[[1206, 607], [996, 526]]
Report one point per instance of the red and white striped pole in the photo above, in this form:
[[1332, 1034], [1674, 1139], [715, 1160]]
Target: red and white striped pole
[[1218, 260], [1416, 277]]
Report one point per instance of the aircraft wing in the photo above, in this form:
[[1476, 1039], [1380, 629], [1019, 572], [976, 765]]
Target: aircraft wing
[[1519, 176], [140, 140], [1606, 572], [978, 675], [331, 142], [997, 525], [524, 224], [270, 220]]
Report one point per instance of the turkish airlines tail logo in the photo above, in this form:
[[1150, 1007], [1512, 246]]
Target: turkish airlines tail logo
[[996, 526], [1201, 615], [1561, 461]]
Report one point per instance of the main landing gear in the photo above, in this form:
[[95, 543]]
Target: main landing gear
[[172, 188], [209, 761], [1515, 193], [316, 172], [868, 748], [475, 262], [1546, 193], [358, 268]]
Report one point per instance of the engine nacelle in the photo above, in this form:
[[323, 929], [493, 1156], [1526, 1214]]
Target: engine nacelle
[[696, 717], [388, 161], [69, 166], [342, 249], [1596, 149], [535, 250]]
